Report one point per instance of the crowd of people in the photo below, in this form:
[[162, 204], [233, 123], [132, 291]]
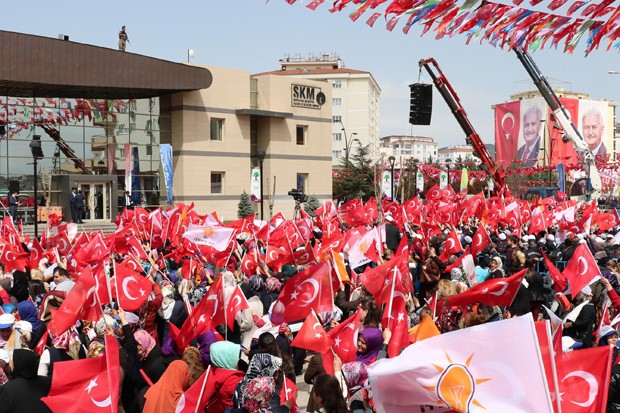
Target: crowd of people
[[250, 364]]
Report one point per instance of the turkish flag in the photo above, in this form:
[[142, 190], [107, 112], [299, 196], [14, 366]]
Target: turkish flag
[[344, 337], [95, 251], [605, 220], [507, 125], [122, 235], [131, 263], [13, 257], [452, 245], [88, 385], [42, 344], [538, 222], [583, 377], [249, 263], [311, 289], [156, 228], [132, 289], [559, 281], [581, 269], [480, 241], [135, 249], [543, 334], [205, 316], [391, 275], [395, 318], [189, 267], [459, 261], [81, 303], [289, 391], [36, 253], [236, 302], [312, 336], [195, 398], [500, 291]]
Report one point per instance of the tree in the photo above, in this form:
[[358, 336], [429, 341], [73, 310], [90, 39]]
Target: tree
[[356, 178], [312, 205], [245, 206]]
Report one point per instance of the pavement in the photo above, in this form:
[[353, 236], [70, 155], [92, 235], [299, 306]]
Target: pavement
[[303, 392]]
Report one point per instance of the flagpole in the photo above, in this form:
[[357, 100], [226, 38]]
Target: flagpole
[[202, 389], [392, 295], [118, 297]]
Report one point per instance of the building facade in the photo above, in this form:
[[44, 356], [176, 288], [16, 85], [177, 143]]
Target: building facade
[[219, 132], [456, 153], [354, 101], [417, 147]]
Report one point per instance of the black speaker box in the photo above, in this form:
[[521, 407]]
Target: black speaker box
[[421, 107]]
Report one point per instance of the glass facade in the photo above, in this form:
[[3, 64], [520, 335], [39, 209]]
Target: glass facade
[[81, 136]]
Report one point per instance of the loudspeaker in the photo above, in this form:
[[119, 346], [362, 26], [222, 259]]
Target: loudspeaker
[[2, 129], [421, 107], [13, 186]]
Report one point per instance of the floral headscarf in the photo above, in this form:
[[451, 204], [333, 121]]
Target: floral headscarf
[[355, 375], [167, 305], [258, 394], [256, 282], [261, 365], [101, 326], [197, 293], [145, 341], [96, 349], [68, 341], [273, 285]]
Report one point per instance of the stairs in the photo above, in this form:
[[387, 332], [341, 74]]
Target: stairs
[[105, 226]]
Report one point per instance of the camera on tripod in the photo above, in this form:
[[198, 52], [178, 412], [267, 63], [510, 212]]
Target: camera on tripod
[[298, 195]]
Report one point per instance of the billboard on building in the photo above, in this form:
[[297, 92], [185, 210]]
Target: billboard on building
[[526, 132]]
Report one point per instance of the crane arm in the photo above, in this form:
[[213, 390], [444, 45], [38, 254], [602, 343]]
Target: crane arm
[[472, 138]]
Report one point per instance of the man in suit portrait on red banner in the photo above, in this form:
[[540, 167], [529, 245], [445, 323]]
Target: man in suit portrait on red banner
[[593, 128], [529, 151]]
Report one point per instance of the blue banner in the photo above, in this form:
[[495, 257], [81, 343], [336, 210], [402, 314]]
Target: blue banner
[[136, 189], [561, 178], [165, 152]]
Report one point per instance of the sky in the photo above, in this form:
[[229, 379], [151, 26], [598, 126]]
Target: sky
[[253, 35]]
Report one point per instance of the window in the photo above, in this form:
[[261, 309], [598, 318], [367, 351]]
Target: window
[[302, 179], [336, 154], [337, 84], [337, 119], [337, 137], [301, 135], [217, 179], [149, 150], [336, 101], [217, 129], [122, 152]]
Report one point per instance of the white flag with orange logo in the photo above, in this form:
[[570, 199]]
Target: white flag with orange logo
[[493, 367], [211, 235]]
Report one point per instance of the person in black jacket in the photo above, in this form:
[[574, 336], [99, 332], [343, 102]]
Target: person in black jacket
[[24, 391], [392, 234], [580, 320]]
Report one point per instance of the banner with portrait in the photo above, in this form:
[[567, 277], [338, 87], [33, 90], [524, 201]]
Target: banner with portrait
[[596, 127], [506, 132]]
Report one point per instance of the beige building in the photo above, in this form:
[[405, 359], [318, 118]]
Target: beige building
[[455, 152], [417, 147], [354, 100], [218, 132]]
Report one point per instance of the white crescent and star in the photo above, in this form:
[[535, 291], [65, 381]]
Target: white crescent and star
[[315, 287], [214, 297], [450, 244], [582, 262], [508, 115], [126, 282], [103, 403], [504, 285], [592, 384], [236, 301], [316, 333]]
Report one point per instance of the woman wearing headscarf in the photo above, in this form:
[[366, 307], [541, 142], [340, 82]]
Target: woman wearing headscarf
[[224, 358], [369, 343], [24, 391], [496, 269], [262, 365], [65, 347], [164, 395], [150, 356], [355, 377], [28, 312]]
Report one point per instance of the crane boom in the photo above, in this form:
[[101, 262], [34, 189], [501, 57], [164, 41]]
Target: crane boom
[[570, 131], [472, 138]]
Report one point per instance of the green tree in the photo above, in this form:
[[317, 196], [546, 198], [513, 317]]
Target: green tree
[[356, 178], [312, 204], [245, 206]]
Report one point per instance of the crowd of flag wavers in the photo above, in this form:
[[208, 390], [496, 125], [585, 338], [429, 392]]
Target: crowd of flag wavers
[[442, 302]]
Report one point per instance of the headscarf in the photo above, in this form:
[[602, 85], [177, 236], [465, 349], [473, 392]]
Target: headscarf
[[374, 339], [191, 356], [101, 326], [355, 375], [261, 365], [164, 395], [225, 354], [167, 305], [197, 293], [256, 282], [27, 311], [258, 394], [68, 341], [273, 285], [145, 341], [96, 349], [8, 308], [25, 364], [205, 341], [20, 286], [169, 347]]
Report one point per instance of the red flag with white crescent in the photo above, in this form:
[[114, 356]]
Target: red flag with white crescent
[[130, 288], [236, 303], [581, 269], [312, 336], [480, 241], [499, 291]]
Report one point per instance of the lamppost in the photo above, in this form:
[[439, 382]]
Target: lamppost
[[448, 161], [613, 72], [37, 153], [415, 176], [392, 159], [347, 143], [261, 157], [190, 54]]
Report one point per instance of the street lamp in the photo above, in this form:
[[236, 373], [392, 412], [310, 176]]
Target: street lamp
[[37, 153], [261, 157], [448, 161], [392, 159], [613, 72], [190, 54], [415, 176], [347, 143]]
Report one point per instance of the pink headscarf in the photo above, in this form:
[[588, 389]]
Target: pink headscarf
[[145, 341]]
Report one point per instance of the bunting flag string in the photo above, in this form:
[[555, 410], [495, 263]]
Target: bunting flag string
[[501, 25]]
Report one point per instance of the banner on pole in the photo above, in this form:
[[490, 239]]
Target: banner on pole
[[165, 153], [255, 185]]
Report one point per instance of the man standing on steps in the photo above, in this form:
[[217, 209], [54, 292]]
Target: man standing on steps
[[72, 199], [80, 206]]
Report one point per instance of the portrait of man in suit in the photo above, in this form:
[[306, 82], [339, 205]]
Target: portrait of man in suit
[[529, 151], [593, 128]]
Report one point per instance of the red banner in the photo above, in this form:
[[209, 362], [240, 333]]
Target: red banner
[[563, 152], [507, 125]]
